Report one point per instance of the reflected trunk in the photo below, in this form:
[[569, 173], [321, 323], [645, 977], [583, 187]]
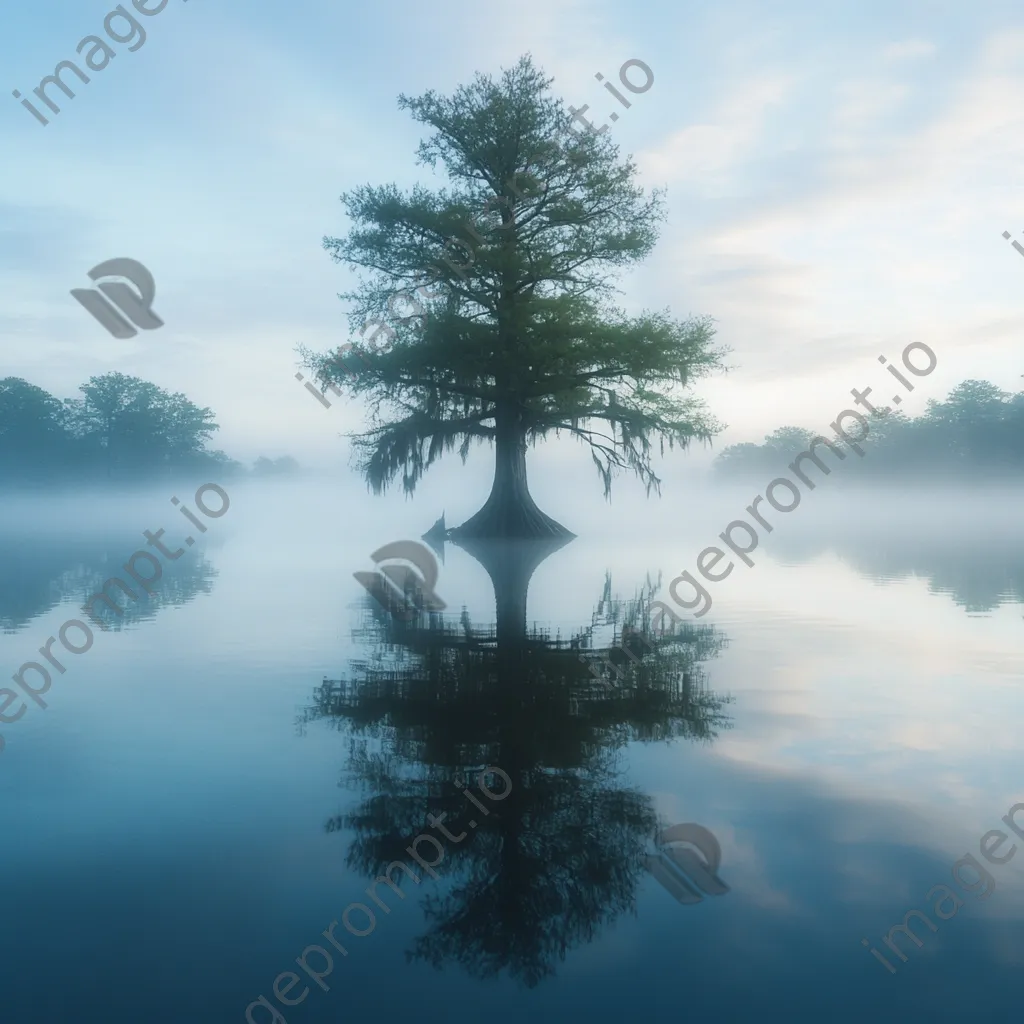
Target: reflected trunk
[[511, 565]]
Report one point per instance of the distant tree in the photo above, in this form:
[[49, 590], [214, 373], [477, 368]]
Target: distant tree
[[131, 425], [790, 440], [973, 401], [33, 441], [740, 459], [284, 466], [187, 428], [978, 430], [122, 427], [518, 341], [212, 462], [978, 426], [778, 448]]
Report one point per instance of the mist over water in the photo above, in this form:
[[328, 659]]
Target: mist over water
[[842, 720]]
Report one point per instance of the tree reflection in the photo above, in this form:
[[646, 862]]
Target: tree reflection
[[39, 572], [980, 570], [440, 698]]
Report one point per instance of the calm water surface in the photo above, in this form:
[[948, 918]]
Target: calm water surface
[[214, 782]]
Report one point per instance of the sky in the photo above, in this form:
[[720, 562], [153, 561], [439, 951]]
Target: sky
[[838, 179]]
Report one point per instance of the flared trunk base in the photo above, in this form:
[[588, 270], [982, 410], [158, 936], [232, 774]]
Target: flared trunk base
[[510, 519], [510, 513]]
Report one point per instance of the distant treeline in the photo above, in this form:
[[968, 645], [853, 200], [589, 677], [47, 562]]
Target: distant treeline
[[977, 431], [123, 429]]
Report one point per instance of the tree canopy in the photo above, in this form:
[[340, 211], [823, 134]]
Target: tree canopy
[[978, 430], [121, 428], [518, 339]]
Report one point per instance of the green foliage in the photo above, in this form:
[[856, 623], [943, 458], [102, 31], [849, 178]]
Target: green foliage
[[123, 428], [32, 426], [284, 466], [133, 424], [977, 430], [519, 336]]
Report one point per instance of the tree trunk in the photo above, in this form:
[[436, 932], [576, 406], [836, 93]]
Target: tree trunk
[[510, 512], [511, 565]]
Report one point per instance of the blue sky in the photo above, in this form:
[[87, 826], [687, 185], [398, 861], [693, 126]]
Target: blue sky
[[838, 180]]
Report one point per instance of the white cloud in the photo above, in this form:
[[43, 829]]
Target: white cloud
[[886, 232], [701, 154], [909, 49]]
